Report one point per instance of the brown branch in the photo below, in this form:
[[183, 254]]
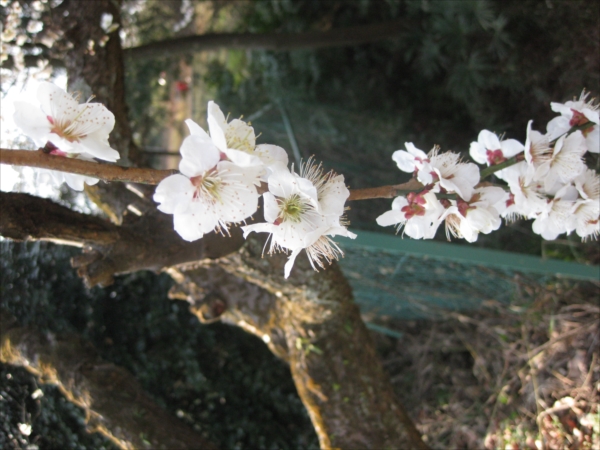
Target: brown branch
[[114, 402], [25, 217], [111, 172], [103, 171], [142, 243], [384, 191], [339, 37]]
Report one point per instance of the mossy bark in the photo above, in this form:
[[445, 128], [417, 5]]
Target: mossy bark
[[310, 321], [114, 402]]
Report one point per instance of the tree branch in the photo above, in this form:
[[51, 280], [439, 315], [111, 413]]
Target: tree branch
[[111, 172], [25, 217], [141, 243], [114, 402], [340, 37], [385, 191], [103, 171]]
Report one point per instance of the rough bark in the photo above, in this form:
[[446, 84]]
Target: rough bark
[[339, 37], [141, 243], [115, 404], [310, 321]]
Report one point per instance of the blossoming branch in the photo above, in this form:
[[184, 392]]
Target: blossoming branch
[[223, 173]]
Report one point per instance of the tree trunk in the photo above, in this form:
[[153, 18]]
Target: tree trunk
[[310, 321]]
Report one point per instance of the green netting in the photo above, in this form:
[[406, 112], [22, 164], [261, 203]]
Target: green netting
[[406, 279]]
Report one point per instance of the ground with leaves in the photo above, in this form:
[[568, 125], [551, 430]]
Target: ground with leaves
[[518, 376]]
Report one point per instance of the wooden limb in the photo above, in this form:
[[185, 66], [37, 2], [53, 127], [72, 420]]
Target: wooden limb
[[114, 402], [143, 243], [340, 37], [25, 217], [111, 172], [103, 171], [310, 321], [385, 191]]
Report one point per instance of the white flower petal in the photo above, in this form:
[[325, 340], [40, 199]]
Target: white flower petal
[[55, 102], [404, 160], [333, 196], [271, 154], [290, 262], [197, 130], [98, 149], [217, 125], [478, 152], [174, 194], [32, 121], [271, 207], [198, 156], [258, 228], [391, 218], [489, 140], [282, 183], [242, 158], [188, 226], [511, 147]]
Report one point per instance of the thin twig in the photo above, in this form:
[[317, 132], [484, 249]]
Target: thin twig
[[385, 191], [103, 171]]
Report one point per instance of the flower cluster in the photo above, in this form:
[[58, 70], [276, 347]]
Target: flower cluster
[[223, 174], [546, 180], [217, 187], [302, 211], [68, 129]]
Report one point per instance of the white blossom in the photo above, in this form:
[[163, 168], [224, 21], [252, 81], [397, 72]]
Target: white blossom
[[303, 211], [209, 194], [412, 159], [451, 174], [586, 212], [566, 162], [479, 215], [442, 169], [419, 214], [577, 113], [528, 199], [237, 140], [491, 151], [558, 217], [71, 127], [537, 149]]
